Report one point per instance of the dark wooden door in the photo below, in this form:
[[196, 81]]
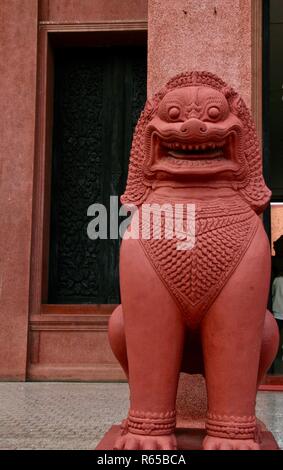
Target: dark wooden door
[[99, 93]]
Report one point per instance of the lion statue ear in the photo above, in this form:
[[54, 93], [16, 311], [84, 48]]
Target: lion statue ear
[[136, 189], [149, 105], [228, 92], [253, 188], [256, 194]]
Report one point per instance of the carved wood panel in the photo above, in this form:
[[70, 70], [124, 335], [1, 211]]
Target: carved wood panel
[[99, 93]]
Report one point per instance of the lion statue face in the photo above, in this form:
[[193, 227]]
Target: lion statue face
[[196, 131], [194, 135]]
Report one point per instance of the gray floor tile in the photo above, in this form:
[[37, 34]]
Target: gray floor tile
[[76, 415]]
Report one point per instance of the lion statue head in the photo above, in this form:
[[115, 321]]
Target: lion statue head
[[197, 131]]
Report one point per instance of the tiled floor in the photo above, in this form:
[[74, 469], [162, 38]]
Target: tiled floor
[[76, 415]]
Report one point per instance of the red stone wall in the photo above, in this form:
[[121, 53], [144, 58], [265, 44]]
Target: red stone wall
[[20, 128], [76, 11], [17, 103]]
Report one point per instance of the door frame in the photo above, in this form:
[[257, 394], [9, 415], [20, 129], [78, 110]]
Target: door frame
[[46, 318]]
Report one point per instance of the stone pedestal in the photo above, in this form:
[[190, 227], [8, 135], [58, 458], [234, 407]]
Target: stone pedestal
[[187, 439]]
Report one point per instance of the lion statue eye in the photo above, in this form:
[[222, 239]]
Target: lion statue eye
[[213, 112], [174, 112]]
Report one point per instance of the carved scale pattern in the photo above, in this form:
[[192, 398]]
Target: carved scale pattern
[[98, 96], [224, 229]]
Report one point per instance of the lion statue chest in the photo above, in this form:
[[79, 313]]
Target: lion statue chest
[[195, 143]]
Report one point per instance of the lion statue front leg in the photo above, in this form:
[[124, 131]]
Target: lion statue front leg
[[234, 366], [232, 332], [154, 352]]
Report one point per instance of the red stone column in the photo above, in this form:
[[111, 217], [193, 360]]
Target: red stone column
[[200, 35], [218, 37], [17, 102]]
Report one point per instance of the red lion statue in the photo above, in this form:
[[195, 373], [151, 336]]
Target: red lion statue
[[203, 308]]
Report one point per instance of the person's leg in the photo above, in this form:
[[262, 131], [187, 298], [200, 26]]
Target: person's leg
[[280, 346]]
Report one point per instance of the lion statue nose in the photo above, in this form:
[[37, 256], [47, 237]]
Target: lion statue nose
[[194, 126]]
